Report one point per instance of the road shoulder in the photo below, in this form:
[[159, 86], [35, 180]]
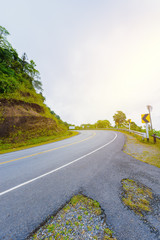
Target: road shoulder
[[144, 152]]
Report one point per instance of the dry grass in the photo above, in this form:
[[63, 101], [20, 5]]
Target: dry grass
[[148, 153]]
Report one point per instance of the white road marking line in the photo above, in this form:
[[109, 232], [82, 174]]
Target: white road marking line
[[57, 169]]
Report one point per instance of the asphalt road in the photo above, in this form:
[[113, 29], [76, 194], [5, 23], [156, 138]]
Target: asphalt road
[[36, 182]]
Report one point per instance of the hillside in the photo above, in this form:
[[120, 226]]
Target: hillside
[[23, 113], [21, 121]]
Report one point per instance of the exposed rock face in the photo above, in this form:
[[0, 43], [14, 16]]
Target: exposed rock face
[[21, 120]]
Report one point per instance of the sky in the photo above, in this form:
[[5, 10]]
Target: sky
[[95, 57]]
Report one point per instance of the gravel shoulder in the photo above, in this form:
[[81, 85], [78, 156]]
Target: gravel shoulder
[[144, 152]]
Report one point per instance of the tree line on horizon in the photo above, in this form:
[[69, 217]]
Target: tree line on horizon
[[120, 122]]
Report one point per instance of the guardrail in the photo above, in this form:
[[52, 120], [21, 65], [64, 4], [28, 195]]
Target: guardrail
[[142, 134], [139, 133], [155, 137]]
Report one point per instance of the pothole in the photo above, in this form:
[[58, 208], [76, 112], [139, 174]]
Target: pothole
[[143, 202], [81, 218], [136, 196]]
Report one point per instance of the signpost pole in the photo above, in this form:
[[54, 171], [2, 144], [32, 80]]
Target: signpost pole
[[146, 119], [147, 134], [149, 107], [129, 123]]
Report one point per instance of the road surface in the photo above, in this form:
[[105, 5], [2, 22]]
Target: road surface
[[36, 182]]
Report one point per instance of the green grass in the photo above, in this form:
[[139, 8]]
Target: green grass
[[11, 147], [24, 94]]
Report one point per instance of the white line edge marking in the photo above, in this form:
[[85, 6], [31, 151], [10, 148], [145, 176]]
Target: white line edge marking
[[57, 169]]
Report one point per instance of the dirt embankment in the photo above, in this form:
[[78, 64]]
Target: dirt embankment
[[20, 120]]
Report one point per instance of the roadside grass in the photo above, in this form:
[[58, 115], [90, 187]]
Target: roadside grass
[[140, 139], [136, 196], [144, 140], [142, 150], [81, 218], [11, 147]]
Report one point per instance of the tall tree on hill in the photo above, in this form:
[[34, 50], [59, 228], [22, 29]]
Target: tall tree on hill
[[15, 71], [3, 38]]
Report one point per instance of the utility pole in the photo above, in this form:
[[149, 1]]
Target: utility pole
[[149, 107]]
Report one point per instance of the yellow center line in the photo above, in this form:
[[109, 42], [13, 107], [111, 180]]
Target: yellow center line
[[53, 149]]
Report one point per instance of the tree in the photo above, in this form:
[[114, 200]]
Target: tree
[[119, 118], [35, 75], [103, 124], [15, 71], [3, 38], [135, 127]]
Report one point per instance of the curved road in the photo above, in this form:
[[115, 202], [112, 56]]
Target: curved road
[[36, 182]]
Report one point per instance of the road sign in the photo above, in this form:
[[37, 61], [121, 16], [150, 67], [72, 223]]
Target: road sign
[[129, 120], [145, 118]]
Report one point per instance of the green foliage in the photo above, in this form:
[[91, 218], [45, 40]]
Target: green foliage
[[98, 124], [3, 38], [103, 124], [23, 93], [15, 71], [155, 132], [119, 118], [57, 116], [8, 84], [135, 127]]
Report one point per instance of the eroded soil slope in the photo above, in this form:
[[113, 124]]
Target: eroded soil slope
[[21, 120]]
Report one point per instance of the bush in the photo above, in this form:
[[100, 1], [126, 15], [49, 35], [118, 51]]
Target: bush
[[8, 84]]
